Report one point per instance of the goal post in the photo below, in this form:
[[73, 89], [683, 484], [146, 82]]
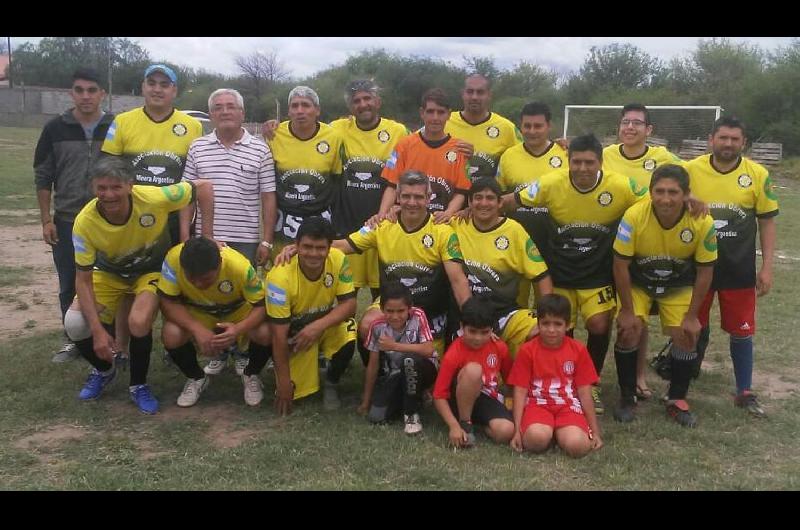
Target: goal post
[[671, 123]]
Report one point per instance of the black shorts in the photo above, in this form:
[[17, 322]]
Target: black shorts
[[484, 410]]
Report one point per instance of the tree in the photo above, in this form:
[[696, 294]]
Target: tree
[[263, 70], [481, 65], [619, 66], [3, 46]]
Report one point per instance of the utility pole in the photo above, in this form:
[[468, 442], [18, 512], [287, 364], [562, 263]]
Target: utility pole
[[109, 41], [10, 80]]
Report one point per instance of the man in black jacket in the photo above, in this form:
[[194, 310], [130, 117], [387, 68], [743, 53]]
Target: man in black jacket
[[68, 147]]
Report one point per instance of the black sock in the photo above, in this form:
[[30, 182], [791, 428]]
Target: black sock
[[259, 355], [340, 361], [86, 349], [682, 366], [598, 348], [140, 358], [626, 373], [363, 352], [702, 345], [185, 358]]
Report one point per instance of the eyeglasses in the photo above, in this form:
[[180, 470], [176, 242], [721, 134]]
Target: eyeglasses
[[81, 90], [635, 123]]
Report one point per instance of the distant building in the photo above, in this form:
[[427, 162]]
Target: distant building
[[4, 60]]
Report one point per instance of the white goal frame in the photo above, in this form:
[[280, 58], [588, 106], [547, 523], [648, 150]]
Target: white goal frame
[[567, 108]]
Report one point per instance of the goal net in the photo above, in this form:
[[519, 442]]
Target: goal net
[[671, 124]]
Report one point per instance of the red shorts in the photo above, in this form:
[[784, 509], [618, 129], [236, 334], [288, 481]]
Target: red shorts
[[737, 307], [554, 416]]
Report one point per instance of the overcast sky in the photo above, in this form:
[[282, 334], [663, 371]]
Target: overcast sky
[[304, 56]]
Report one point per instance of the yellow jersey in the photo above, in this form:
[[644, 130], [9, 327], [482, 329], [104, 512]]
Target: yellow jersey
[[490, 139], [641, 167]]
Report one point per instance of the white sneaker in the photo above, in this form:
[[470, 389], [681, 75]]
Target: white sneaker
[[240, 363], [191, 391], [413, 424], [253, 394], [214, 367]]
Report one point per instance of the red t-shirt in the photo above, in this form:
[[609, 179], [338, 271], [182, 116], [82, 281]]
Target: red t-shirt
[[493, 357], [552, 375]]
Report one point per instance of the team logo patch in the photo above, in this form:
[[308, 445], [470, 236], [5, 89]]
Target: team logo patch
[[408, 282], [605, 198], [710, 241], [147, 220], [384, 136], [745, 181], [492, 131], [345, 274], [555, 161], [687, 235], [179, 129], [569, 367], [253, 281], [501, 243], [174, 193], [225, 286], [427, 241], [491, 360], [451, 156], [533, 252], [454, 247], [328, 281], [649, 164], [769, 189], [323, 147]]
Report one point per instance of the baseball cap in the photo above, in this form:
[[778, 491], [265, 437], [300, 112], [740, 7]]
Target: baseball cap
[[164, 69]]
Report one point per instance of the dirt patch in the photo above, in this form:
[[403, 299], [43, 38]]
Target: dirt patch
[[772, 385], [51, 437], [222, 432], [32, 305]]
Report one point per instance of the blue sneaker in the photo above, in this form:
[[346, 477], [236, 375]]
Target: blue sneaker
[[144, 399], [95, 384]]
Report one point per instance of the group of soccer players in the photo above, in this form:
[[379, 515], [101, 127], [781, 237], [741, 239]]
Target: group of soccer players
[[419, 218]]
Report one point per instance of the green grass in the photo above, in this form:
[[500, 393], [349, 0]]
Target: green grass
[[49, 440], [16, 167], [11, 275]]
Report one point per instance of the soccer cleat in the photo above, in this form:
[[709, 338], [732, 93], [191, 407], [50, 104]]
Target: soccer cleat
[[215, 366], [330, 396], [144, 399], [191, 391], [747, 400], [240, 363], [253, 394], [679, 411], [413, 424], [468, 428], [68, 352], [598, 405], [624, 411], [95, 384]]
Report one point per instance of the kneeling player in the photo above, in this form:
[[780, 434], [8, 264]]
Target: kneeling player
[[662, 254], [212, 299]]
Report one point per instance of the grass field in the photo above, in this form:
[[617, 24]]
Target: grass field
[[49, 440]]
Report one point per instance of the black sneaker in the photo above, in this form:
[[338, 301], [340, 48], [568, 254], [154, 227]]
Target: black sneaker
[[747, 400], [624, 411], [678, 410], [467, 427]]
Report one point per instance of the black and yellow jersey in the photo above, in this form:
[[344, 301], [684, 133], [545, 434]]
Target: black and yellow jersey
[[365, 154], [295, 299], [498, 260], [489, 138], [414, 258], [136, 246], [237, 284], [585, 223], [307, 172], [664, 257], [641, 167], [157, 150], [736, 200]]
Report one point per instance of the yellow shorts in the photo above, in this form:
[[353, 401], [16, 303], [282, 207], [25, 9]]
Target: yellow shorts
[[365, 269], [110, 288], [209, 321], [438, 326], [589, 302], [515, 328], [304, 365], [671, 308]]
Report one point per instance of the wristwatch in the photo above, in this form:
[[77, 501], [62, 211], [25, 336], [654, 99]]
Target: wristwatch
[[267, 244]]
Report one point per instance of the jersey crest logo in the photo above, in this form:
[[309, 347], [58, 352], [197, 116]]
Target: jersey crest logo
[[491, 360], [501, 243], [408, 282], [687, 235], [569, 367], [555, 161], [427, 241], [225, 286], [301, 188], [323, 147], [147, 220], [179, 129], [451, 156], [363, 175], [649, 164], [384, 136], [492, 131], [328, 281], [745, 181], [605, 198]]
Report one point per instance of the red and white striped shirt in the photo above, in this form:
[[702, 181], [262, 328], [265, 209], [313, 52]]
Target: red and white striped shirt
[[416, 331]]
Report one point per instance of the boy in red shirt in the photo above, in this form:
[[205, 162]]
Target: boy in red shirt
[[467, 388], [552, 378]]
